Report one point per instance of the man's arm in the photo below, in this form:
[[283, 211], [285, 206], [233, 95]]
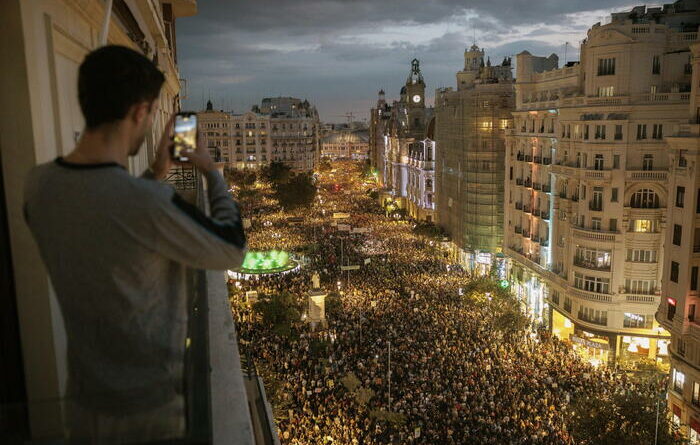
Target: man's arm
[[185, 234]]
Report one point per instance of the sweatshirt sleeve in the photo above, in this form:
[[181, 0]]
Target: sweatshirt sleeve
[[186, 234]]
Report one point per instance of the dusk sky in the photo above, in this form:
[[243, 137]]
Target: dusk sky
[[339, 53]]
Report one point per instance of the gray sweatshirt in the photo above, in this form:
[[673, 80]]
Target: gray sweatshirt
[[116, 248]]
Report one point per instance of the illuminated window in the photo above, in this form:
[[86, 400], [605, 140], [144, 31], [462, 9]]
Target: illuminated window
[[486, 125], [678, 380], [504, 124], [643, 225]]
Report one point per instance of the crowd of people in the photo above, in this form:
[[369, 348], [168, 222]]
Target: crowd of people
[[405, 357]]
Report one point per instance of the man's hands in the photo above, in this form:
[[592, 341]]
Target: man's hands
[[200, 157]]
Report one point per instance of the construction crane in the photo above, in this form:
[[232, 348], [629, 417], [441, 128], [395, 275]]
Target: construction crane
[[349, 116]]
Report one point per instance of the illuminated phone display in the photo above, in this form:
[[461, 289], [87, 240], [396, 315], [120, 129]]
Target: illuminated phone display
[[185, 137]]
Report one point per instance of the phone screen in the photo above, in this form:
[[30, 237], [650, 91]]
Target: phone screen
[[185, 135]]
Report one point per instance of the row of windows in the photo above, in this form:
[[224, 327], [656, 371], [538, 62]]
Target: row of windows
[[600, 131], [606, 66]]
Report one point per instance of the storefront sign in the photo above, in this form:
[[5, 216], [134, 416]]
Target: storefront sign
[[589, 343]]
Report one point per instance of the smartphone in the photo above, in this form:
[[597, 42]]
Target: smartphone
[[185, 135]]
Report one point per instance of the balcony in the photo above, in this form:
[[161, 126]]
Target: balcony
[[518, 181], [520, 156], [547, 188], [535, 212], [582, 262], [591, 296], [537, 159], [536, 186], [647, 175], [544, 215], [593, 235], [527, 182], [518, 229], [595, 206], [546, 161], [528, 158], [642, 299], [526, 209], [597, 175], [526, 233], [518, 205]]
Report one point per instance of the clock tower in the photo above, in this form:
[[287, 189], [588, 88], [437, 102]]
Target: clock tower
[[415, 86]]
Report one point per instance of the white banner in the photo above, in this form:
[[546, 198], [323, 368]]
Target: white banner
[[317, 308], [360, 230], [251, 296], [352, 267], [340, 215], [344, 227]]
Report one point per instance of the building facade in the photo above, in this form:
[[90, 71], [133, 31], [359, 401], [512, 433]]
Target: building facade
[[588, 181], [679, 290], [405, 129], [345, 144], [379, 120], [470, 138], [420, 192], [281, 129]]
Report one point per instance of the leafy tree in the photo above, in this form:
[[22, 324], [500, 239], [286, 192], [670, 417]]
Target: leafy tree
[[278, 172], [299, 191], [280, 312], [325, 165]]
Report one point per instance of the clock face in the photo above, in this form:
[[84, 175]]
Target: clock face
[[416, 98]]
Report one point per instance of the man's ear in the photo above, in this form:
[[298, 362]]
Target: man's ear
[[140, 112]]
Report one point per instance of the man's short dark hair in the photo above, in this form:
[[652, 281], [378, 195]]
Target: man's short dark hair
[[111, 80]]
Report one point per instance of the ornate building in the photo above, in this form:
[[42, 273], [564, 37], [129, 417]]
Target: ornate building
[[470, 137], [406, 126], [282, 129], [379, 119], [588, 182], [346, 143]]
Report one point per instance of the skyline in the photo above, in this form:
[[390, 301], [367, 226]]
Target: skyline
[[339, 56]]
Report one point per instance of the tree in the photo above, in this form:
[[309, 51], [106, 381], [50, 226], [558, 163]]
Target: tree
[[299, 191], [278, 172], [280, 312]]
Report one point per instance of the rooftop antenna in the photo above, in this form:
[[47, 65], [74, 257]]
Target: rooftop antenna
[[566, 47]]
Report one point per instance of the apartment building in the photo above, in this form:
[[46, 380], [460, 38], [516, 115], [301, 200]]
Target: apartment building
[[470, 127], [588, 182], [679, 290], [281, 129]]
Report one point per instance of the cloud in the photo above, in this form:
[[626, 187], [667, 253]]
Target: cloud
[[338, 53]]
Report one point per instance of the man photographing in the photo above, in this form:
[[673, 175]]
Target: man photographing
[[117, 247]]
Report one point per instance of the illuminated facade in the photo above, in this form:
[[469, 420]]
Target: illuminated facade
[[469, 171], [404, 132], [281, 129], [379, 119], [679, 290], [345, 144], [588, 182], [420, 192]]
